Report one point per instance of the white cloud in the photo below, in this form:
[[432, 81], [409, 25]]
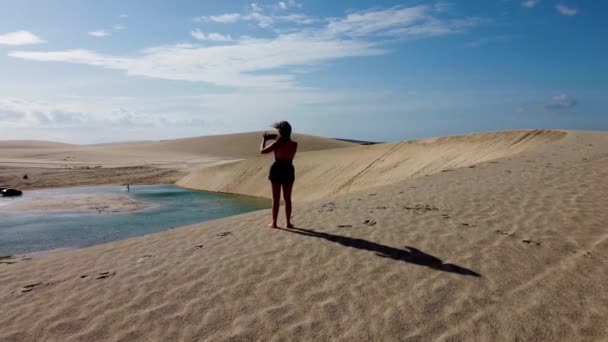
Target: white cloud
[[99, 33], [255, 7], [22, 113], [256, 14], [197, 34], [300, 19], [123, 15], [226, 65], [407, 23], [222, 18], [285, 5], [442, 6], [263, 20], [270, 62], [19, 38], [530, 3], [562, 101], [216, 37], [105, 33], [565, 10]]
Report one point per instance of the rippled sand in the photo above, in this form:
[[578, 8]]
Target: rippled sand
[[514, 248]]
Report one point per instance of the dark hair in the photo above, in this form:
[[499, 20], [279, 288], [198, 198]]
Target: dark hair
[[284, 129]]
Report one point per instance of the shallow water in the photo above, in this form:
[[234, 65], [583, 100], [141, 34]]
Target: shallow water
[[174, 207]]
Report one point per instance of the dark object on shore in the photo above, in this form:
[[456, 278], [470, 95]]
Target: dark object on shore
[[7, 192], [25, 176]]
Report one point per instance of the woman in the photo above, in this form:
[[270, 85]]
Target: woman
[[282, 173]]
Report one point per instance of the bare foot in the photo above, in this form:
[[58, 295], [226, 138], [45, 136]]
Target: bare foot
[[289, 225], [272, 225]]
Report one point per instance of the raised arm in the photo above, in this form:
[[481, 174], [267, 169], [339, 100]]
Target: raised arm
[[267, 149]]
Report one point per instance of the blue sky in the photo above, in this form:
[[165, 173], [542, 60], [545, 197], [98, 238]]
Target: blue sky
[[101, 71]]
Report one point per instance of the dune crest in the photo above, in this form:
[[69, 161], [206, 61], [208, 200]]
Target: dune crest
[[331, 172]]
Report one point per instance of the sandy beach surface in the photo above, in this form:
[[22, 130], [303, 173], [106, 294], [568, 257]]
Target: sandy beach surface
[[110, 203], [491, 237]]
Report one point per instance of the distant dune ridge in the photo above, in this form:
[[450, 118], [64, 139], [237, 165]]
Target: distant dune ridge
[[151, 162], [330, 172], [504, 240]]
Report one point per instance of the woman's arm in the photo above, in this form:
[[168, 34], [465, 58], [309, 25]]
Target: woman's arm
[[267, 149]]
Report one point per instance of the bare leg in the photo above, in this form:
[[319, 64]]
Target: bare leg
[[287, 188], [276, 202]]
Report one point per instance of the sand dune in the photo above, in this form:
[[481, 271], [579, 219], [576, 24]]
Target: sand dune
[[30, 144], [48, 164], [330, 172], [512, 249], [235, 146]]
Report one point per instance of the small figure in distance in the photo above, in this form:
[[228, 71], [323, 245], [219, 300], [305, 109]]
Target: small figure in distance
[[128, 187], [282, 172]]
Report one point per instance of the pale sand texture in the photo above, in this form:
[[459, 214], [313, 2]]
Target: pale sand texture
[[112, 203], [327, 173], [49, 164], [532, 226]]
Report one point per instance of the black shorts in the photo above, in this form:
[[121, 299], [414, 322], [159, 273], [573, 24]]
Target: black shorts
[[282, 172]]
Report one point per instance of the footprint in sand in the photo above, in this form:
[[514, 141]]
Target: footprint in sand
[[327, 207], [421, 208], [530, 242], [104, 275], [345, 226], [30, 287], [380, 207], [504, 233], [7, 259], [224, 234], [370, 223], [198, 246], [143, 258], [469, 225], [446, 216]]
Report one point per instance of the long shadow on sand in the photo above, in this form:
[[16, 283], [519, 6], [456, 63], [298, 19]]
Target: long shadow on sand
[[409, 254]]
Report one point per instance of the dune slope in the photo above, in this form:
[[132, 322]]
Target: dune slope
[[330, 172]]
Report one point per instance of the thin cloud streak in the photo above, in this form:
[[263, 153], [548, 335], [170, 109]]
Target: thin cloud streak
[[562, 101], [214, 37], [565, 10], [99, 33], [530, 3]]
